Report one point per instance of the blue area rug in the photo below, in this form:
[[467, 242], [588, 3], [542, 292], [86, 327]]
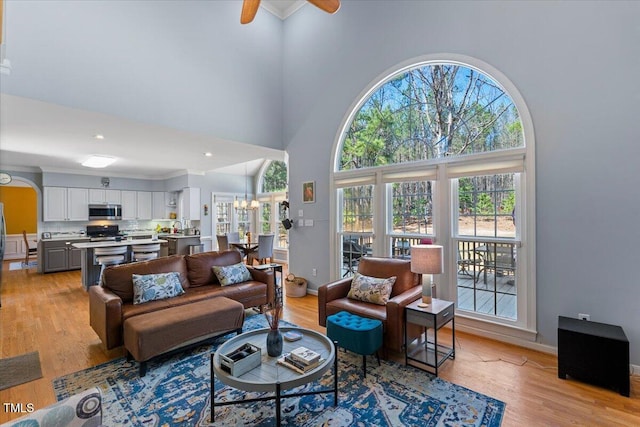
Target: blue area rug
[[176, 392]]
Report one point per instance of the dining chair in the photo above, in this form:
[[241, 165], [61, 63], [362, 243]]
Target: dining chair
[[265, 250], [223, 242], [233, 237], [29, 251]]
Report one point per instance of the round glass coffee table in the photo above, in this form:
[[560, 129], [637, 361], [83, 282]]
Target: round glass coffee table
[[271, 376]]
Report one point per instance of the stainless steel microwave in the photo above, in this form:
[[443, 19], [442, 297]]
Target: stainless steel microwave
[[105, 212]]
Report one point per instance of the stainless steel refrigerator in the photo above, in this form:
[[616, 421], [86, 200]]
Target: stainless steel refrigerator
[[3, 244]]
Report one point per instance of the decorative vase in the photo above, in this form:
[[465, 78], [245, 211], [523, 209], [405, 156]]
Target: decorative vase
[[274, 343]]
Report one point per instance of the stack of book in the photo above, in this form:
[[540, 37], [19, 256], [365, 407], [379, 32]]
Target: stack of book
[[301, 359]]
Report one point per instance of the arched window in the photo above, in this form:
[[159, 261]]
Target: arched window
[[273, 190], [438, 151], [429, 112]]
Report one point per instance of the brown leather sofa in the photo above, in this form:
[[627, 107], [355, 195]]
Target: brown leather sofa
[[112, 303], [332, 298]]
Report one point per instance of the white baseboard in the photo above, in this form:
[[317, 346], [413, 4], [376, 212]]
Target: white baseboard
[[531, 345], [634, 370]]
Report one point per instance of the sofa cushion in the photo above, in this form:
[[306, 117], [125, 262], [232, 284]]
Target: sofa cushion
[[387, 267], [152, 287], [371, 289], [199, 266], [118, 278], [231, 274]]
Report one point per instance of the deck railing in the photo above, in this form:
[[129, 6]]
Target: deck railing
[[486, 278]]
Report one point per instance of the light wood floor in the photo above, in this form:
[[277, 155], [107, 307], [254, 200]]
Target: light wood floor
[[49, 313]]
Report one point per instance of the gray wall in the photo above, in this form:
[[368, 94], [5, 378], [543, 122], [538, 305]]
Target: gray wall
[[175, 63], [575, 63]]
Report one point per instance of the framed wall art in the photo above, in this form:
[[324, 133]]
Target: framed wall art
[[309, 192]]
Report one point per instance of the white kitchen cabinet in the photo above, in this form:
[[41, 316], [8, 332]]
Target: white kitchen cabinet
[[136, 205], [190, 204], [129, 204], [66, 204], [101, 196], [145, 206], [159, 205]]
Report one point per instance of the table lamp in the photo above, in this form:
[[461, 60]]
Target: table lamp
[[426, 259]]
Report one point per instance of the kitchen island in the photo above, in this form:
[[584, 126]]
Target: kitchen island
[[90, 271], [180, 244]]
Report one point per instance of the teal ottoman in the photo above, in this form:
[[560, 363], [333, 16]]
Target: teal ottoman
[[357, 334]]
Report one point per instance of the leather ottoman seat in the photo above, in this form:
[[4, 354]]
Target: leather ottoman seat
[[360, 335], [152, 334]]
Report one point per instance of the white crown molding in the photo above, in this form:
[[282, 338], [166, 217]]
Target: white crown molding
[[106, 172], [282, 9], [16, 168]]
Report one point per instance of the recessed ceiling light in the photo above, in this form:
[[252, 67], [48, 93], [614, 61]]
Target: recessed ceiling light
[[208, 154], [98, 136], [98, 161]]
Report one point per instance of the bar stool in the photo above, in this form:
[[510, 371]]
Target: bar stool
[[145, 252], [112, 255]]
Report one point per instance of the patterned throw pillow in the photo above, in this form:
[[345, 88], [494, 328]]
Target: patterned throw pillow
[[231, 274], [151, 287], [371, 289]]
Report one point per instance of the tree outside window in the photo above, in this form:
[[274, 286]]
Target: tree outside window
[[447, 130]]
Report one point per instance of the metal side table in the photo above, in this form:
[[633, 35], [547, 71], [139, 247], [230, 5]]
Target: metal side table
[[420, 352]]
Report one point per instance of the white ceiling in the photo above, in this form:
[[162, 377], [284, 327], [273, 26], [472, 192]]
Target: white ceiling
[[43, 136], [37, 136]]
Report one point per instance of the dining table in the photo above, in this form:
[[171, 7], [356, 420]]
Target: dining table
[[245, 248], [496, 256]]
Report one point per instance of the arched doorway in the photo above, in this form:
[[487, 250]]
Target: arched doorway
[[21, 199]]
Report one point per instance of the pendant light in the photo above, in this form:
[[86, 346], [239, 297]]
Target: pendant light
[[245, 204]]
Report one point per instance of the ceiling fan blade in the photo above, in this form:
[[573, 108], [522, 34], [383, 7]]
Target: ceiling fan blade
[[249, 10], [329, 6]]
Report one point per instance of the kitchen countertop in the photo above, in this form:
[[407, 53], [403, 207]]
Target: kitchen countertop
[[176, 236], [58, 237], [111, 243]]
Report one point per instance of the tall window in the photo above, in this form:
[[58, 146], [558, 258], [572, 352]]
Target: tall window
[[485, 234], [273, 188], [223, 217], [356, 228], [436, 153], [227, 219], [244, 221], [410, 220]]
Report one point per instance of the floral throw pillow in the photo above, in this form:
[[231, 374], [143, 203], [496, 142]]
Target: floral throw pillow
[[231, 274], [371, 289], [151, 287]]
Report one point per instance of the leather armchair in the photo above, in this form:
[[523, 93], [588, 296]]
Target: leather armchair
[[332, 298]]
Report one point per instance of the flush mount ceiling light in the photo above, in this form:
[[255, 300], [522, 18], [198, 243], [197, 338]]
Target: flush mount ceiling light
[[98, 136], [98, 161], [208, 154]]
